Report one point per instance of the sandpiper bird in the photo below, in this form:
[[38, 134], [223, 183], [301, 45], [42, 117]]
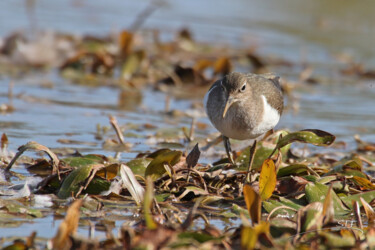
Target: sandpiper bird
[[244, 106]]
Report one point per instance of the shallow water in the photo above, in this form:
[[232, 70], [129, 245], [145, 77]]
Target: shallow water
[[291, 30]]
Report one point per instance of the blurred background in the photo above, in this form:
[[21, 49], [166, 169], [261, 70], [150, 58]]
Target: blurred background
[[281, 27]]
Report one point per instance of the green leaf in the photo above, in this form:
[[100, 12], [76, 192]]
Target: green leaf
[[85, 160], [162, 197], [311, 178], [73, 181], [316, 192], [200, 237], [295, 169], [310, 219], [15, 207], [139, 165], [336, 241], [272, 204], [158, 152], [156, 167], [262, 152], [350, 172], [97, 185], [367, 196], [346, 167], [281, 226], [312, 136], [239, 210]]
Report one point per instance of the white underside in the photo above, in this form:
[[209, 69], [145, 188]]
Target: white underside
[[269, 119]]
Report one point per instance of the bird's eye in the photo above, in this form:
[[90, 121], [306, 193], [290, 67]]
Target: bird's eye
[[243, 88]]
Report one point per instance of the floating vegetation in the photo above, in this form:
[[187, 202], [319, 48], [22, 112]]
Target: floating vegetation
[[292, 200]]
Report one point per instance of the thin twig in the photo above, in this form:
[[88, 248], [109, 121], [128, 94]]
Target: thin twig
[[167, 103], [214, 142], [117, 129], [144, 14], [192, 130], [251, 159]]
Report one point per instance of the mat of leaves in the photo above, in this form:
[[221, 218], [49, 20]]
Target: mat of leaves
[[281, 199]]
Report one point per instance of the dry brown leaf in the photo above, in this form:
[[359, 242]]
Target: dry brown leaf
[[369, 212], [36, 147], [4, 141], [328, 209], [291, 184], [156, 238], [68, 226], [193, 156], [185, 75]]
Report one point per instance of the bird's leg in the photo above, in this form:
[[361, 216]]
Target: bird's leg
[[228, 149]]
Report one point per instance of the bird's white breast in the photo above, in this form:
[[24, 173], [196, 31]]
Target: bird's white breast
[[270, 118]]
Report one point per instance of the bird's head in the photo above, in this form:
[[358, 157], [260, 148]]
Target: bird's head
[[235, 87]]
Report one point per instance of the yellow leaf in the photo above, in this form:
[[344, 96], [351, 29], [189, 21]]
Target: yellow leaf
[[109, 172], [364, 182], [253, 203], [202, 64], [148, 203], [250, 235], [222, 65], [132, 63], [125, 42], [267, 179]]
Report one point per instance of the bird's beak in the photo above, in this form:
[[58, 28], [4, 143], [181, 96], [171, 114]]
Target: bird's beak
[[229, 103]]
